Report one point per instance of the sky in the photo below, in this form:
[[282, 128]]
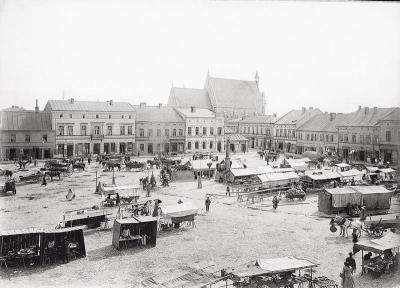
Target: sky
[[330, 55]]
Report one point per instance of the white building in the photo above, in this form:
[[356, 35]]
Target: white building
[[84, 127], [204, 130]]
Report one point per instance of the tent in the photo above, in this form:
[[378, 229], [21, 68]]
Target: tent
[[375, 197], [320, 177], [297, 165], [278, 179], [179, 212], [351, 174], [389, 241], [269, 169]]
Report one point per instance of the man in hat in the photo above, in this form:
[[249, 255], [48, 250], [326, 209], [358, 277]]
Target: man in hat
[[352, 262], [208, 203]]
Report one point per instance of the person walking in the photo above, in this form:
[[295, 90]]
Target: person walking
[[117, 201], [347, 278], [208, 202], [275, 202], [228, 191], [352, 263], [65, 250], [44, 182]]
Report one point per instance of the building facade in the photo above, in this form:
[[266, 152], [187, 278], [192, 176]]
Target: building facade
[[285, 138], [92, 127], [204, 130], [159, 130], [25, 134], [258, 130], [389, 148]]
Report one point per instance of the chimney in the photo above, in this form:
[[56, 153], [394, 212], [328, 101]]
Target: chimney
[[359, 107], [332, 116], [37, 106], [142, 105], [311, 107], [71, 100], [192, 109], [303, 110], [366, 110], [159, 105]]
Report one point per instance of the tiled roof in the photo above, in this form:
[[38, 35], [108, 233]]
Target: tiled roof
[[297, 117], [187, 97], [198, 112], [66, 105], [367, 116], [230, 93], [392, 116], [157, 114], [323, 122], [25, 120], [260, 119], [237, 137]]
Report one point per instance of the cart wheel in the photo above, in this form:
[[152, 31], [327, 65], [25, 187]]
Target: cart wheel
[[47, 177]]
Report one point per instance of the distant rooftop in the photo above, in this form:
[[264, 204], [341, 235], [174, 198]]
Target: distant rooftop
[[298, 117], [262, 119], [157, 114], [368, 116], [25, 121], [197, 112], [73, 105]]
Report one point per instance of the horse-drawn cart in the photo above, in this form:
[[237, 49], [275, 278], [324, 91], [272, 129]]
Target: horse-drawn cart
[[294, 193], [65, 169]]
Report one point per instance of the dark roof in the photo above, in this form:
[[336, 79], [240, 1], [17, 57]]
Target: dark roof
[[324, 122], [25, 120], [367, 116], [157, 114], [187, 97], [298, 117], [67, 105], [260, 119], [231, 93]]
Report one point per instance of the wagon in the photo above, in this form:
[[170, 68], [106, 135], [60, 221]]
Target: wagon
[[375, 227], [8, 186], [294, 193], [65, 168], [32, 178]]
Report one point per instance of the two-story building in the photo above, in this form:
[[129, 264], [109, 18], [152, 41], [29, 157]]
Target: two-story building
[[258, 130], [320, 133], [359, 134], [286, 126], [25, 134], [204, 130], [389, 147], [159, 129], [92, 127]]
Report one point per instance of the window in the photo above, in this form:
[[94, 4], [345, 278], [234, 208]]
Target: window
[[353, 138], [141, 147], [141, 132], [211, 130], [308, 137], [189, 145], [388, 136], [70, 115], [109, 116], [61, 130], [158, 132], [219, 131], [312, 137], [293, 134], [130, 130], [150, 132], [326, 138], [211, 144], [130, 116], [204, 130], [96, 130], [83, 116], [97, 116], [204, 145], [112, 147], [340, 137], [109, 130], [190, 131], [196, 145], [27, 138], [331, 138], [122, 116], [368, 139], [346, 138], [13, 138], [44, 138], [180, 132], [197, 131], [70, 130], [362, 139], [284, 133], [321, 137], [61, 115], [166, 132], [173, 132], [376, 139], [121, 130], [83, 130]]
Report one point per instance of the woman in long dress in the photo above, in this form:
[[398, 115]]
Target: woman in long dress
[[347, 278]]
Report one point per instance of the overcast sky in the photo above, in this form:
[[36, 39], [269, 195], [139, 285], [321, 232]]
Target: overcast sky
[[331, 55]]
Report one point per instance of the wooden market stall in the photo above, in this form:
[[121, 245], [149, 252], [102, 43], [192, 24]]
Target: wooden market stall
[[128, 194], [386, 250], [89, 217], [272, 180], [174, 215], [350, 175], [277, 272], [242, 176], [134, 232], [320, 178], [206, 167]]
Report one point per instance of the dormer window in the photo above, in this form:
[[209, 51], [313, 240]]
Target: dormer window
[[122, 116], [83, 116], [97, 116], [109, 116], [61, 115]]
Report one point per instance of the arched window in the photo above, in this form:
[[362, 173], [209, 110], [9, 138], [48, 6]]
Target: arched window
[[204, 145], [196, 145], [189, 145]]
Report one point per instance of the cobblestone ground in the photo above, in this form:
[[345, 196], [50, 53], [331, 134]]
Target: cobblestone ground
[[232, 233]]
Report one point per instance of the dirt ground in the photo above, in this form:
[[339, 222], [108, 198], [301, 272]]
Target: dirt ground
[[230, 234]]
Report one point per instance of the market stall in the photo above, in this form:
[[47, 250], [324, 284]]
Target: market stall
[[320, 178], [206, 167], [375, 197], [272, 180], [386, 250], [242, 176], [336, 200], [89, 217], [387, 174], [128, 194], [134, 232], [174, 215], [351, 175]]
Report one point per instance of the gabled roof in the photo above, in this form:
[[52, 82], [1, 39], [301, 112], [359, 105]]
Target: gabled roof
[[260, 119], [25, 121], [198, 112], [187, 97], [298, 117], [324, 122], [367, 116], [67, 105], [392, 116], [230, 93], [157, 114]]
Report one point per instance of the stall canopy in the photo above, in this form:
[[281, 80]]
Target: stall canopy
[[244, 172], [202, 164], [387, 170], [179, 210], [375, 197], [321, 175], [342, 196], [268, 169], [297, 165], [350, 174], [389, 241], [279, 176]]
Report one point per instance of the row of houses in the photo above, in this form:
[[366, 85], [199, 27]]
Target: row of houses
[[197, 120]]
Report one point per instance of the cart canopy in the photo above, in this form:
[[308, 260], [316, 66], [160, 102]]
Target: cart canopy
[[389, 241]]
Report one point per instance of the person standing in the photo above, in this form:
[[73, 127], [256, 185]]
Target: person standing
[[89, 159], [117, 201], [347, 278], [275, 202], [66, 250], [208, 202], [44, 182], [352, 263], [228, 191]]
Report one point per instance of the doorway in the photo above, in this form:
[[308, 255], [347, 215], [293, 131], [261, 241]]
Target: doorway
[[96, 148]]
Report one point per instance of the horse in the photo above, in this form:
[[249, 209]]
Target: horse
[[79, 166], [8, 173], [345, 224]]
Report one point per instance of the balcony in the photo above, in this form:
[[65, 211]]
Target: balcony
[[96, 136]]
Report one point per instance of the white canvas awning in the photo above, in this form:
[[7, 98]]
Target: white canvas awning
[[278, 265], [178, 210]]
